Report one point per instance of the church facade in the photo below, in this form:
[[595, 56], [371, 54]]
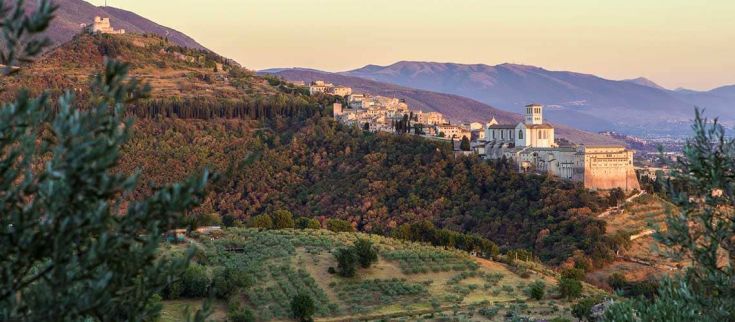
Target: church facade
[[530, 144]]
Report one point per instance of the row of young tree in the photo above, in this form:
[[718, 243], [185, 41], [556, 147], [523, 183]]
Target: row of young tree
[[425, 231], [256, 108]]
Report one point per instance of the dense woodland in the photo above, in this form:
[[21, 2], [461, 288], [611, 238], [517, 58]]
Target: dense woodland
[[319, 168]]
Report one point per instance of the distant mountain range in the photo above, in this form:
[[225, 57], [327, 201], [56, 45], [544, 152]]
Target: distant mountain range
[[453, 106], [589, 102], [72, 13]]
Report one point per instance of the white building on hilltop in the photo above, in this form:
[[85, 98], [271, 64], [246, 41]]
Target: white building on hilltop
[[102, 26], [530, 144], [319, 86]]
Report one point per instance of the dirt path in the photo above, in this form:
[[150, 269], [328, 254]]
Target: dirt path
[[610, 210]]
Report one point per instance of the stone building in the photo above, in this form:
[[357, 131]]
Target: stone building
[[337, 109], [341, 91], [607, 167], [319, 87], [429, 118], [530, 144], [103, 26], [453, 131]]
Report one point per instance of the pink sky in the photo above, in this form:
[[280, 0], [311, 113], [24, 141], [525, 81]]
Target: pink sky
[[676, 43]]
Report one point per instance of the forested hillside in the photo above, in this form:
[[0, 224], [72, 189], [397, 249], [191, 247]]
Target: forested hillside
[[322, 169], [274, 147]]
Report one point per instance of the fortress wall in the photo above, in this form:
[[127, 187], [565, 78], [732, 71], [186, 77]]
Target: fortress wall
[[610, 178]]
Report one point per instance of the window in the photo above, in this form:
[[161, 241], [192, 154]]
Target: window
[[539, 134], [520, 134]]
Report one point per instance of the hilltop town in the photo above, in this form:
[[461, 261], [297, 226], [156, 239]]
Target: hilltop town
[[530, 144]]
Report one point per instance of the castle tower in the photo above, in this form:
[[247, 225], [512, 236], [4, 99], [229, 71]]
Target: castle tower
[[337, 109], [534, 114]]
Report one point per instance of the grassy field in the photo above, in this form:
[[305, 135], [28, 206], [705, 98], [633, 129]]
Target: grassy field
[[176, 310], [409, 282]]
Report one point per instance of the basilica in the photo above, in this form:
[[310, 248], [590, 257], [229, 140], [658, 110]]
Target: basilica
[[531, 145]]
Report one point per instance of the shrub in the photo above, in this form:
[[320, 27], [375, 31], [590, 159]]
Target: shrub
[[647, 289], [573, 273], [302, 307], [173, 290], [307, 223], [617, 281], [282, 219], [226, 280], [241, 315], [261, 221], [583, 309], [570, 288], [560, 319], [221, 284], [366, 253], [346, 262], [210, 219], [228, 220], [339, 225], [537, 290], [195, 281], [488, 312], [331, 270]]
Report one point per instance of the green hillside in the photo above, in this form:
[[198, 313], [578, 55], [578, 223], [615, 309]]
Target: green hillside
[[410, 281]]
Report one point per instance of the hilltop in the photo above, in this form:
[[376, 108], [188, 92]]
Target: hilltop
[[410, 280], [171, 69], [72, 13]]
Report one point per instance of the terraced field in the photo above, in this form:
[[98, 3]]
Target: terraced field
[[643, 213], [644, 258], [410, 281]]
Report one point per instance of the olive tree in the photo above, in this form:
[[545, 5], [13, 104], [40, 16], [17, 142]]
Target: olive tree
[[702, 231], [73, 246]]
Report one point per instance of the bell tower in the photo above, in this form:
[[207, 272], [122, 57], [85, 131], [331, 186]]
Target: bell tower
[[534, 114]]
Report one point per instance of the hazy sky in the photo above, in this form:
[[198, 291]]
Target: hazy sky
[[689, 43]]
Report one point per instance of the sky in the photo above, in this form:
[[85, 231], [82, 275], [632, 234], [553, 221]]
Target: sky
[[676, 43]]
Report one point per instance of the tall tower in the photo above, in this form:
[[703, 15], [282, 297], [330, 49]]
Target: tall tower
[[534, 114]]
